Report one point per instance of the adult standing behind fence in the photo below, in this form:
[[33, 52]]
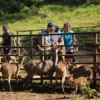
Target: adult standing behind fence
[[8, 40], [56, 37], [68, 39], [47, 39]]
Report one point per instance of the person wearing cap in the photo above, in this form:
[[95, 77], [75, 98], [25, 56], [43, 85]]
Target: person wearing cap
[[68, 40], [8, 40], [50, 28], [47, 39]]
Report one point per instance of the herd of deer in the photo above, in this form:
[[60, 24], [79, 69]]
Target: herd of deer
[[77, 75]]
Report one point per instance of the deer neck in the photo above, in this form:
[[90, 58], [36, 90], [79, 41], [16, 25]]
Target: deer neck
[[55, 58], [22, 60]]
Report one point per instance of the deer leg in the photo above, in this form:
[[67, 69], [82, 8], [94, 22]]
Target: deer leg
[[76, 88], [90, 78], [41, 79], [9, 80], [3, 83], [63, 80], [57, 75], [51, 79], [30, 80], [28, 77], [16, 78]]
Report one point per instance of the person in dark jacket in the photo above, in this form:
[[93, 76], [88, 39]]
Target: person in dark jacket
[[8, 41]]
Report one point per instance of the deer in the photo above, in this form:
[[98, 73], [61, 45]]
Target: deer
[[9, 69], [78, 83], [41, 67], [81, 71], [62, 70]]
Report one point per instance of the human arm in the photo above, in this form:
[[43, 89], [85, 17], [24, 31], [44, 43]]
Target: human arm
[[62, 41], [46, 39]]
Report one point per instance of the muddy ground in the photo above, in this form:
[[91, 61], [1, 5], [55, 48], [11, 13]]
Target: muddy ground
[[35, 96], [38, 92]]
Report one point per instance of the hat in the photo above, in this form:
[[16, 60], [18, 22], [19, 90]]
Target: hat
[[5, 27], [51, 25]]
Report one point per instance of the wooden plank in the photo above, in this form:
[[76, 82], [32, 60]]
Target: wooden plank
[[95, 57], [31, 41]]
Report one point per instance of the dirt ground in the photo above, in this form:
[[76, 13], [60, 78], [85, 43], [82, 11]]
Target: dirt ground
[[36, 96], [39, 92]]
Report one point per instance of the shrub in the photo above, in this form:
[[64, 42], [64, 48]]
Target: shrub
[[57, 8], [16, 16], [34, 10], [79, 11], [26, 10], [1, 14]]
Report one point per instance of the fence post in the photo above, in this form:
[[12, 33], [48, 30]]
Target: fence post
[[18, 42], [18, 49], [42, 57], [95, 58], [31, 38]]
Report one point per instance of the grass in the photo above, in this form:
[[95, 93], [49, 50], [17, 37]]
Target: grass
[[78, 17]]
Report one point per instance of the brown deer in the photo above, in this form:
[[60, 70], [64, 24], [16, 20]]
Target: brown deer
[[79, 83], [8, 70], [39, 67], [81, 71], [62, 70]]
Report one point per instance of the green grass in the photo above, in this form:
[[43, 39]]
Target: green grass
[[78, 17]]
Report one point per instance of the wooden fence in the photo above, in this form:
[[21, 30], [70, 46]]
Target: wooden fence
[[94, 38]]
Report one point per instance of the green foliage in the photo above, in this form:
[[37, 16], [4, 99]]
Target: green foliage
[[92, 2], [30, 7], [1, 13], [26, 10], [57, 8], [34, 10], [81, 16]]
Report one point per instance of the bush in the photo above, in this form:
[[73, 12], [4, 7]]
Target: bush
[[92, 2], [16, 16], [79, 11], [34, 10], [57, 8], [19, 15], [1, 14], [26, 10]]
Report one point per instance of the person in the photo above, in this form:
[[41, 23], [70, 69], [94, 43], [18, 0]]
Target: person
[[47, 39], [8, 40], [68, 39], [56, 37]]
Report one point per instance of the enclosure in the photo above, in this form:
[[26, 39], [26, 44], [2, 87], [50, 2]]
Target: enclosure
[[88, 44]]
